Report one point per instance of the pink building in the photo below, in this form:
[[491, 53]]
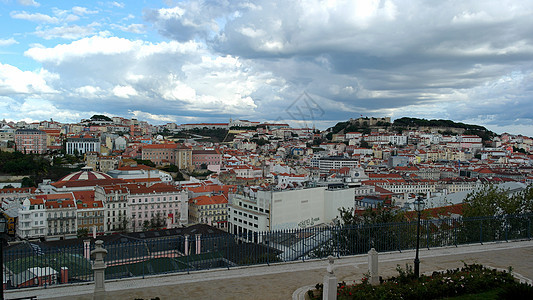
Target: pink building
[[206, 158], [30, 141], [159, 200]]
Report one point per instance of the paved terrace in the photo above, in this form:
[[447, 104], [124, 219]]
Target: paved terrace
[[287, 280]]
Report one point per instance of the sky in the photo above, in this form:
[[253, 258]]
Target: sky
[[306, 63]]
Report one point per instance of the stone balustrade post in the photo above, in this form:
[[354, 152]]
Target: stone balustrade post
[[99, 266], [186, 251], [373, 269], [329, 291]]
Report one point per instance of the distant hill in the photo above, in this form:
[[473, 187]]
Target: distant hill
[[414, 122], [447, 127]]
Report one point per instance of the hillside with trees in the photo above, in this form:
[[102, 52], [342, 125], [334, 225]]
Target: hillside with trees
[[406, 123], [469, 129], [37, 167]]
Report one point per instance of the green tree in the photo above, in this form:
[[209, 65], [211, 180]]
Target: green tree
[[82, 232], [101, 118], [357, 233], [365, 144], [145, 162], [260, 142], [179, 176], [156, 222], [494, 214], [170, 168], [123, 224], [491, 200], [28, 182]]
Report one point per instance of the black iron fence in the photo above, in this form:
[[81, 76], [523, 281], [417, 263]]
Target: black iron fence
[[34, 264]]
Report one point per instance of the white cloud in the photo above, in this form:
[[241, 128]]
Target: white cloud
[[117, 4], [140, 115], [10, 41], [82, 48], [16, 81], [29, 3], [68, 32], [179, 76], [36, 17], [88, 92], [171, 13], [124, 91], [78, 10], [133, 28]]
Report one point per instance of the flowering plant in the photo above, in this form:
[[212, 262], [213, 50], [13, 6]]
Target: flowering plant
[[470, 279]]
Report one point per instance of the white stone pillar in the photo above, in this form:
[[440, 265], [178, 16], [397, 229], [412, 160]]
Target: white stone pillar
[[87, 249], [186, 244], [373, 267], [99, 267], [198, 243], [329, 291]]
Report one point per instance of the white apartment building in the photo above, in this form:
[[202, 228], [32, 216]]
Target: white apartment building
[[60, 215], [82, 145], [325, 164], [394, 139], [268, 210], [116, 207], [32, 221], [402, 186]]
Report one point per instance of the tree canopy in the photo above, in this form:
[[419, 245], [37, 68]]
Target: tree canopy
[[101, 118], [491, 200]]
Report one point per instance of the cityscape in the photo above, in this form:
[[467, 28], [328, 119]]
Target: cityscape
[[197, 149], [253, 180]]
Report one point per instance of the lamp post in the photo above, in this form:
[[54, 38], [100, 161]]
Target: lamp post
[[419, 206], [3, 229]]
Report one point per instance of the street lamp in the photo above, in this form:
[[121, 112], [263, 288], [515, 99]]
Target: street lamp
[[3, 229], [419, 207]]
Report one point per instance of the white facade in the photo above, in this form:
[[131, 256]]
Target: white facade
[[141, 174], [32, 219], [147, 203], [116, 209], [289, 209], [82, 145], [120, 143], [327, 163]]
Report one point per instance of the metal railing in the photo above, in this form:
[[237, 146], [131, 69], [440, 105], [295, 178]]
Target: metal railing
[[35, 264]]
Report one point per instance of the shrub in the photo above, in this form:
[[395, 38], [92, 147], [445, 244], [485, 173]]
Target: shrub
[[469, 279]]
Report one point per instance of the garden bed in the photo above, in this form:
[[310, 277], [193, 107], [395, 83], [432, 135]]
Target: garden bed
[[468, 280]]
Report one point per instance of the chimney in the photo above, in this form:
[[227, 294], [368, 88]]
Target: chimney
[[64, 275]]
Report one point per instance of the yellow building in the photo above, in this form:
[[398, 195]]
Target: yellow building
[[211, 210]]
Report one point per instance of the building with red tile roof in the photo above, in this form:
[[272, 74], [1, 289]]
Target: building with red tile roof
[[209, 209], [160, 200], [90, 212], [61, 215]]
